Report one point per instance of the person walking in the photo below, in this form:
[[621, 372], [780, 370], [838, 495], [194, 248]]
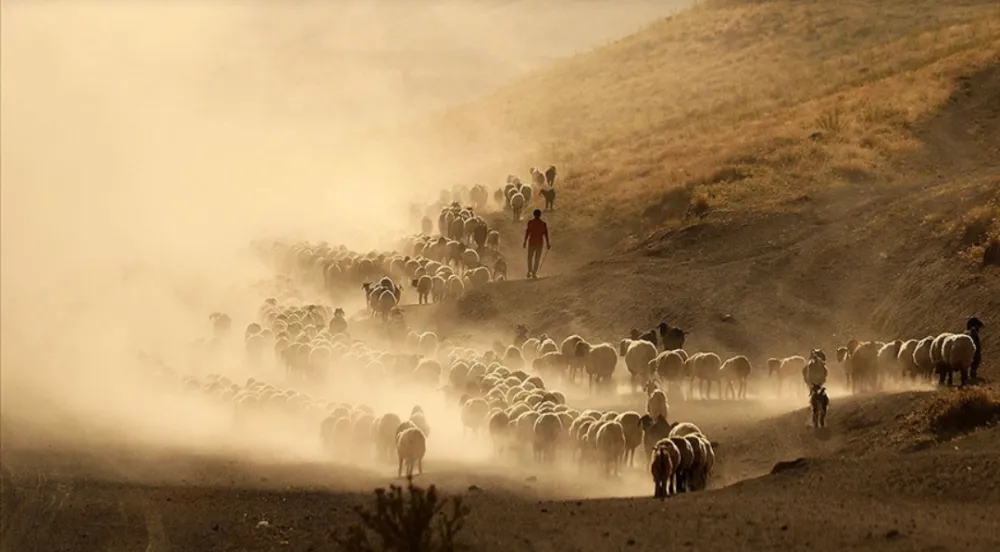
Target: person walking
[[972, 326], [535, 235]]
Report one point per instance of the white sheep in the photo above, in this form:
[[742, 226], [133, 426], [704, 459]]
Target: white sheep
[[611, 445], [907, 366], [474, 413], [599, 361], [887, 360], [656, 405], [706, 368], [958, 352], [517, 205], [638, 355], [547, 430], [427, 343], [922, 357], [470, 259], [411, 445], [529, 350], [568, 349], [703, 464]]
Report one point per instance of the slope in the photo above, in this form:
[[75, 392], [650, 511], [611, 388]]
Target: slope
[[813, 171]]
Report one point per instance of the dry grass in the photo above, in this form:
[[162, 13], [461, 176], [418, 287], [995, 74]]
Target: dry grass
[[948, 414], [773, 98], [978, 233]]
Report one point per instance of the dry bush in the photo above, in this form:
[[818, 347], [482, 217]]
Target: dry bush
[[949, 414], [417, 520], [980, 233]]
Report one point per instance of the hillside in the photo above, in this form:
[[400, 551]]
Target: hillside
[[816, 171]]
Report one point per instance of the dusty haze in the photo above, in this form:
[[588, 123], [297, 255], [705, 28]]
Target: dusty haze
[[156, 140]]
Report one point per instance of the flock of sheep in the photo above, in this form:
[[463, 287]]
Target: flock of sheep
[[506, 392], [438, 266]]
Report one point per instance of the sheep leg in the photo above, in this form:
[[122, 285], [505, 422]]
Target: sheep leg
[[420, 466], [399, 472]]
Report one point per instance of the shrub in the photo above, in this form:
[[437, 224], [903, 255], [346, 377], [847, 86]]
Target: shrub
[[418, 520], [949, 414], [830, 121]]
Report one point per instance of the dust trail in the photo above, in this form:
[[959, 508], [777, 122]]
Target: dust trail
[[145, 144]]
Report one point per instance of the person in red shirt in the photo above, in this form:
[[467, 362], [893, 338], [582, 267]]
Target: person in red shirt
[[535, 235]]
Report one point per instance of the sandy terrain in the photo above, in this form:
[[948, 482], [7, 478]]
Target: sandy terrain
[[142, 148]]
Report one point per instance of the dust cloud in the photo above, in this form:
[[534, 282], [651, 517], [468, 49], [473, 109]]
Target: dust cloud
[[144, 145]]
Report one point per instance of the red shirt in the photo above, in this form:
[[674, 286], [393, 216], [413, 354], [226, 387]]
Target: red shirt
[[536, 231]]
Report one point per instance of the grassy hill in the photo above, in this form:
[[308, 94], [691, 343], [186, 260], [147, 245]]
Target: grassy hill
[[827, 168]]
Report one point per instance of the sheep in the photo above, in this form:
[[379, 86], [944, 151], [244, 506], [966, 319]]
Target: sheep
[[611, 444], [773, 367], [500, 269], [653, 430], [705, 367], [424, 285], [599, 360], [516, 205], [818, 402], [547, 429], [904, 359], [338, 324], [411, 445], [669, 366], [470, 259], [662, 469], [656, 405], [499, 428], [790, 367], [493, 241], [682, 469], [736, 369], [529, 350], [671, 337], [474, 414], [479, 196], [959, 350], [637, 355], [550, 198], [419, 419], [887, 360], [815, 371], [568, 350], [860, 361], [385, 427], [684, 429], [631, 425], [512, 358], [537, 177], [704, 462]]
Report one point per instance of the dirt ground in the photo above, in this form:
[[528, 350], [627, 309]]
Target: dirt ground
[[861, 261], [856, 488]]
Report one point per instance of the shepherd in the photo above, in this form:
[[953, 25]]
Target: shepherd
[[535, 235]]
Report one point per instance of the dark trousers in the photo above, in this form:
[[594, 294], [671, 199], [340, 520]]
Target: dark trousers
[[534, 259]]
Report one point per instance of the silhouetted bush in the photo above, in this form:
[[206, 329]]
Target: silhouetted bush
[[417, 520]]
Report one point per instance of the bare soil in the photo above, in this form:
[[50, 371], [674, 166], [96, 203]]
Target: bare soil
[[853, 488]]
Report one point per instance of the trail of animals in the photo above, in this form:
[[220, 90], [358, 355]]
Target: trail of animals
[[301, 349]]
